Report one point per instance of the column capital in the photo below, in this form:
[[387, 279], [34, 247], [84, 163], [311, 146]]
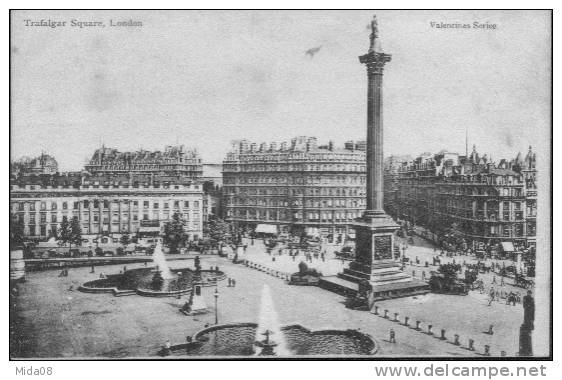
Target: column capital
[[375, 61]]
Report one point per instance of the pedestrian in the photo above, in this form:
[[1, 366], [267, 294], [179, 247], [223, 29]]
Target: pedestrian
[[92, 270], [494, 280], [492, 296], [392, 338], [229, 282], [233, 283], [502, 281]]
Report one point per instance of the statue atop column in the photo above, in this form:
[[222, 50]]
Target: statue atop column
[[374, 33]]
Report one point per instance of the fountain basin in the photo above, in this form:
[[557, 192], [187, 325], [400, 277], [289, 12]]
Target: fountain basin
[[138, 281], [239, 340]]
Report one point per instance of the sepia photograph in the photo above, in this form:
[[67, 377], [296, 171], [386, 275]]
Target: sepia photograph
[[280, 185]]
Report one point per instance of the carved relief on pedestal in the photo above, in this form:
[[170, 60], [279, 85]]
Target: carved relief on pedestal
[[382, 247]]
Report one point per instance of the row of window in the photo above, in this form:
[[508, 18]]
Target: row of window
[[271, 215], [340, 202], [115, 217], [317, 191], [43, 206], [299, 180], [45, 230]]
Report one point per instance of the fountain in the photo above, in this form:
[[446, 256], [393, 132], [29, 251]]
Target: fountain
[[160, 281], [269, 325], [160, 260], [268, 338], [266, 345]]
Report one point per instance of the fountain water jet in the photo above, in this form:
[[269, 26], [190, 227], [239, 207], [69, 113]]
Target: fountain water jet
[[160, 260], [268, 325]]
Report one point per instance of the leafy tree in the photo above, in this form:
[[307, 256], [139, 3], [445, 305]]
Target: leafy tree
[[174, 233], [16, 231], [65, 232], [75, 232], [70, 233], [217, 229]]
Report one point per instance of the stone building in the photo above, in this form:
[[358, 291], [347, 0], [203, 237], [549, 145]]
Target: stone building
[[173, 161], [105, 205], [42, 164], [467, 198], [297, 187]]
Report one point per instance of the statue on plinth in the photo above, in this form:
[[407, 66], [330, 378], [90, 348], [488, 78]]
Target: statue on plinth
[[525, 331], [266, 345]]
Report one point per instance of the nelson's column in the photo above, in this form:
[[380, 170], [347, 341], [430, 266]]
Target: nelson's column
[[375, 266]]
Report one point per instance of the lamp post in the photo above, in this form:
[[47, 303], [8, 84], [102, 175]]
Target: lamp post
[[216, 306]]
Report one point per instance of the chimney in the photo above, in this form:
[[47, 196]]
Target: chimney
[[311, 144], [330, 145]]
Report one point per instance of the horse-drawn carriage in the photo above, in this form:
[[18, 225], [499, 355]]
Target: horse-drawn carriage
[[523, 282]]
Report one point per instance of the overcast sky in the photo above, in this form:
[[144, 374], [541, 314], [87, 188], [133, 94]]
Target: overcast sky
[[206, 78]]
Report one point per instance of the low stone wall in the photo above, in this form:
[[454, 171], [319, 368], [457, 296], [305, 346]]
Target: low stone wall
[[88, 288], [197, 336], [273, 272]]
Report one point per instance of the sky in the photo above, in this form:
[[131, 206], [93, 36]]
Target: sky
[[205, 78]]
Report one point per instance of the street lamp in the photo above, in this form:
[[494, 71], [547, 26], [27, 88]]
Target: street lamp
[[216, 306]]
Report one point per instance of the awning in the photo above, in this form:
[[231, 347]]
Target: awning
[[266, 229], [507, 246], [312, 231], [149, 229]]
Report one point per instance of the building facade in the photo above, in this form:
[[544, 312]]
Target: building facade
[[172, 161], [107, 205], [467, 198], [41, 165], [297, 186]]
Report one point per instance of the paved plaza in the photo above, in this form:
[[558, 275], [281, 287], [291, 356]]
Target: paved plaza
[[56, 322]]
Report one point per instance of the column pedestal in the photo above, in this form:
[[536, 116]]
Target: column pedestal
[[375, 261]]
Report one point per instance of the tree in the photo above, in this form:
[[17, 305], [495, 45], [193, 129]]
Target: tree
[[75, 232], [174, 233], [65, 232], [16, 231], [217, 229]]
